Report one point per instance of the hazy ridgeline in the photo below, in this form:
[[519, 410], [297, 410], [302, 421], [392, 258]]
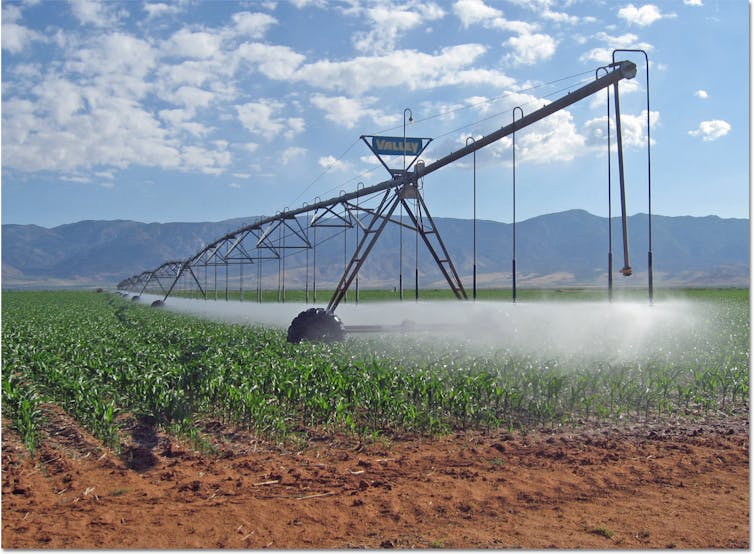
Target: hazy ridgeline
[[563, 249]]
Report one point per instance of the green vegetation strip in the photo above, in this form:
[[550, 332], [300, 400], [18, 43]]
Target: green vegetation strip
[[99, 356]]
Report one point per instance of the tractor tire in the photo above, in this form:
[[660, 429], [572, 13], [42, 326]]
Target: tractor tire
[[316, 325]]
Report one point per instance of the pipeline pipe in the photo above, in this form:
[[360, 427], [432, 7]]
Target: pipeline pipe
[[620, 70]]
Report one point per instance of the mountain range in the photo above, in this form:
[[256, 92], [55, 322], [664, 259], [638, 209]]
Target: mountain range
[[556, 250]]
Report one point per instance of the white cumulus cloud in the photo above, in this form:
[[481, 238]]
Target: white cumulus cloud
[[292, 153], [210, 161], [158, 9], [95, 12], [476, 12], [555, 139], [633, 127], [253, 25], [603, 55], [711, 130], [389, 22], [643, 16], [272, 61], [347, 112], [402, 68], [331, 163], [529, 49], [260, 118], [189, 44], [16, 38], [471, 12]]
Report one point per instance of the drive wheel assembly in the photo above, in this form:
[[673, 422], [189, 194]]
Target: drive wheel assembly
[[316, 325]]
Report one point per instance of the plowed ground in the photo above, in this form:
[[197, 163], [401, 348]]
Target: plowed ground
[[644, 484]]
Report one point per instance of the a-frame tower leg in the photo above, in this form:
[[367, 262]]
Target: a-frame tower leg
[[429, 235], [379, 220], [377, 224]]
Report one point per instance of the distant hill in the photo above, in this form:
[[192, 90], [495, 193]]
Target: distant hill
[[562, 249]]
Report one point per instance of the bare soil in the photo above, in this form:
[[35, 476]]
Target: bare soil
[[643, 484]]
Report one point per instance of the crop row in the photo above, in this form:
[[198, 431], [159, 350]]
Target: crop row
[[100, 356]]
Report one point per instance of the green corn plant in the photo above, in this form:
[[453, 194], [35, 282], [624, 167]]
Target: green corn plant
[[99, 356], [22, 406]]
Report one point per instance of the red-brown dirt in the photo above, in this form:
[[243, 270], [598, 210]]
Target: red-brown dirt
[[682, 484]]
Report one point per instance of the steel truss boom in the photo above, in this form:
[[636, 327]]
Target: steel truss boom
[[621, 70], [402, 183]]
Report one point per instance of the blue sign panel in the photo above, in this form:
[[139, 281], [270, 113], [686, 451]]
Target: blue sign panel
[[387, 146]]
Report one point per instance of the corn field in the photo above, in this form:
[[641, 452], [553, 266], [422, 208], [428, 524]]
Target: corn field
[[101, 357]]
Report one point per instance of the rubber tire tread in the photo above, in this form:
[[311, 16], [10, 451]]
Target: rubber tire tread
[[316, 325]]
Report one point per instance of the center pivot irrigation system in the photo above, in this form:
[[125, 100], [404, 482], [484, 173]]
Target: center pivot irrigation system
[[254, 243]]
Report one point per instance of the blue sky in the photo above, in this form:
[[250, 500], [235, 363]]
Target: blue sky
[[203, 111]]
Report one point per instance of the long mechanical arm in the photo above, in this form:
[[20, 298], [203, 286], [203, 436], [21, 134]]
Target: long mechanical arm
[[621, 70], [618, 71]]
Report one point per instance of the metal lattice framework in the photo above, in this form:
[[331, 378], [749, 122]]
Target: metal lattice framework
[[368, 209]]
